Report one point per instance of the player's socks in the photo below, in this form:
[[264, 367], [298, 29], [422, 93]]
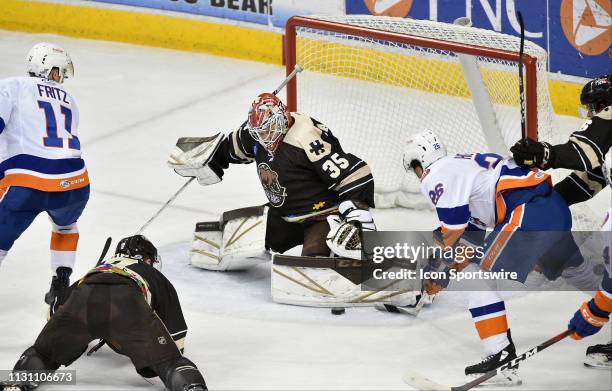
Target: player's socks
[[493, 361], [599, 356], [59, 285]]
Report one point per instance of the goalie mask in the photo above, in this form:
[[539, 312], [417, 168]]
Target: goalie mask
[[424, 148], [268, 121], [138, 247], [43, 57]]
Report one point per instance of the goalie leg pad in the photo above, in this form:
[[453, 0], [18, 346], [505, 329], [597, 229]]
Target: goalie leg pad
[[330, 282], [234, 243]]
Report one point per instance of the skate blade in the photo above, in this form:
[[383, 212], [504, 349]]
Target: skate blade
[[597, 361], [504, 379]]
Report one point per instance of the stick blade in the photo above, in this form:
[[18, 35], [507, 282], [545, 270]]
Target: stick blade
[[422, 383]]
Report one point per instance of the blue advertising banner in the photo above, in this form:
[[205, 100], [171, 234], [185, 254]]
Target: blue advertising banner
[[577, 34], [267, 12]]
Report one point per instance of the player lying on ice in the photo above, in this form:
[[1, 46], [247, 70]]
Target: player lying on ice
[[530, 222], [310, 182], [128, 303], [585, 153]]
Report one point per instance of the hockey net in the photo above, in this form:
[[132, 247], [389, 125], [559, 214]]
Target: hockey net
[[374, 81]]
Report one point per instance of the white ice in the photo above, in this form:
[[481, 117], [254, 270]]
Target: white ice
[[135, 102]]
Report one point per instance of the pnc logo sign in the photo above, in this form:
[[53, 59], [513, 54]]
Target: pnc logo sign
[[389, 7], [587, 25]]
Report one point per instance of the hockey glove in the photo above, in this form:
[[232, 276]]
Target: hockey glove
[[193, 157], [351, 213], [588, 320], [437, 269], [530, 153]]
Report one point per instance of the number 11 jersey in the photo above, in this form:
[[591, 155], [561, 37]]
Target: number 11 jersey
[[39, 144]]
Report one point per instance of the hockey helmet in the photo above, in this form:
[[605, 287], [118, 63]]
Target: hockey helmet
[[268, 121], [596, 95], [138, 247], [43, 57], [425, 148]]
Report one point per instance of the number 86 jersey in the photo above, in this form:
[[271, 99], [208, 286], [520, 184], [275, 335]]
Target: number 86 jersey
[[39, 144], [467, 190]]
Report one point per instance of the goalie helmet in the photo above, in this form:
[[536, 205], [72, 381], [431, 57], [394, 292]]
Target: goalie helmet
[[43, 57], [596, 95], [425, 148], [268, 121], [138, 247]]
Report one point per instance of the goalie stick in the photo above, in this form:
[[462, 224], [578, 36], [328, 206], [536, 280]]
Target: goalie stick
[[424, 384], [295, 71]]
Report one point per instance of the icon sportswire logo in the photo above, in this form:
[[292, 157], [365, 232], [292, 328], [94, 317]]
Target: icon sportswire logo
[[587, 25], [389, 7]]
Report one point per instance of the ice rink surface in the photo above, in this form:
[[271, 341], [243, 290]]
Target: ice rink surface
[[135, 102]]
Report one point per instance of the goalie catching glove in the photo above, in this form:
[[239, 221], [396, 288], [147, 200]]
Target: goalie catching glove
[[344, 237], [193, 157]]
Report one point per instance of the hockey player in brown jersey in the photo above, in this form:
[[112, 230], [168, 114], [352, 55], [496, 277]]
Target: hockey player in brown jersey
[[319, 197], [303, 170]]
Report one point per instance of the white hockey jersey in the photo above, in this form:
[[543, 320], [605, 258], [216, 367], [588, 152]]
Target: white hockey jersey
[[466, 189], [39, 144]]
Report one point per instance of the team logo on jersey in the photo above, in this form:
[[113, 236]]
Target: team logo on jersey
[[587, 25], [317, 147], [318, 205], [389, 7], [162, 340], [269, 180]]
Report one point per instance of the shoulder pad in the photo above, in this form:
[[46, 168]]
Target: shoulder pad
[[306, 135]]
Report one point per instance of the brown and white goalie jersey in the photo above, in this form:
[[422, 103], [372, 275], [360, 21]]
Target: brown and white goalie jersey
[[308, 172]]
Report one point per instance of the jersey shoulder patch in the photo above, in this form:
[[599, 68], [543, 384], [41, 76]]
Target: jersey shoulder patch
[[305, 133]]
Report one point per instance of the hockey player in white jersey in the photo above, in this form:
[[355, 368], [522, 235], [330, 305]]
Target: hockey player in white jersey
[[41, 169], [473, 192]]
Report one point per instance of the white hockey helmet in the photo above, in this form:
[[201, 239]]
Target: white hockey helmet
[[43, 57], [424, 147]]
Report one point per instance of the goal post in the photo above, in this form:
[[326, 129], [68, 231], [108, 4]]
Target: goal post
[[375, 80], [345, 28]]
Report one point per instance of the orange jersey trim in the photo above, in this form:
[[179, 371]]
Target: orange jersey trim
[[492, 326], [534, 179], [44, 184], [502, 238]]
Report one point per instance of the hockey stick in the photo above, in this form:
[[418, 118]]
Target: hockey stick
[[412, 311], [104, 250], [295, 71], [521, 79], [164, 206], [424, 384]]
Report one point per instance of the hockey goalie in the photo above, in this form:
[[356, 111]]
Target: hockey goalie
[[319, 197]]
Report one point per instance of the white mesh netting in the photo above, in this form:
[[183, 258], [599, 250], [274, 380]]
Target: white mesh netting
[[373, 93]]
